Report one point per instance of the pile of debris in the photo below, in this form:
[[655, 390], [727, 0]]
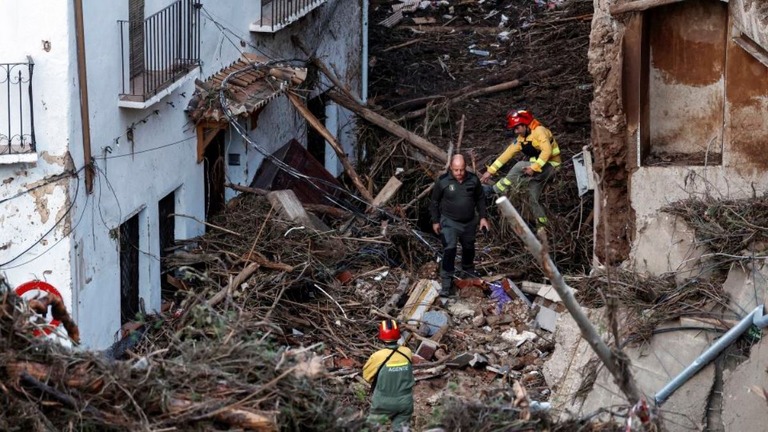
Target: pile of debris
[[271, 314]]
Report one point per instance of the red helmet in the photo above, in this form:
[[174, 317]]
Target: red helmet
[[516, 118], [388, 331]]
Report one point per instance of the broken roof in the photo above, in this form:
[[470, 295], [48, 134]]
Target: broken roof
[[254, 84]]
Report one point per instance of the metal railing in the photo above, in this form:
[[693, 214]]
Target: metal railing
[[282, 12], [159, 50], [17, 123]]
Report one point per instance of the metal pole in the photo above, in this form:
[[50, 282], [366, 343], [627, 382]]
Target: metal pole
[[755, 317]]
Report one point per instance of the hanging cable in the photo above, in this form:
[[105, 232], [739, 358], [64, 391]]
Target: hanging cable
[[50, 230]]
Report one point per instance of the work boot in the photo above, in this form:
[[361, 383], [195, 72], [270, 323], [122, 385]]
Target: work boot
[[446, 289]]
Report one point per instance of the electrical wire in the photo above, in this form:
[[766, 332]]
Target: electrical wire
[[224, 29], [4, 266], [147, 150], [52, 179], [313, 181], [120, 212]]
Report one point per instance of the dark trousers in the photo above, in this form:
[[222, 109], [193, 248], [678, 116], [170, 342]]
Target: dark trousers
[[453, 233], [536, 184]]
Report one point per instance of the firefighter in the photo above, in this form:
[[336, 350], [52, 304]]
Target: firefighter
[[537, 143], [390, 373], [456, 207]]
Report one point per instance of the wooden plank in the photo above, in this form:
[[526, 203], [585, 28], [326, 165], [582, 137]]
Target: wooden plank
[[289, 205], [424, 20], [424, 294], [320, 128], [638, 6], [387, 192], [422, 144], [392, 20], [470, 94]]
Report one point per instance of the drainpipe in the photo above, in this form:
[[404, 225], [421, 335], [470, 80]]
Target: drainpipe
[[755, 318], [82, 76], [364, 90]]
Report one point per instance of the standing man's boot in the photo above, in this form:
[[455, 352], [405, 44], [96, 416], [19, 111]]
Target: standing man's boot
[[446, 286]]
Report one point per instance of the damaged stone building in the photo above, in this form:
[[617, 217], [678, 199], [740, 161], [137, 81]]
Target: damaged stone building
[[679, 112], [104, 159]]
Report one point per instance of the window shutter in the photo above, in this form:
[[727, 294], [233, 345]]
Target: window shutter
[[136, 35]]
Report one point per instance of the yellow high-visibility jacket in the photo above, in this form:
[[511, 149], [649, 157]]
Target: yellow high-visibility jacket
[[395, 378], [544, 149]]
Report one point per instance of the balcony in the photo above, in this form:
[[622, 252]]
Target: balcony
[[158, 53], [279, 14], [17, 121]]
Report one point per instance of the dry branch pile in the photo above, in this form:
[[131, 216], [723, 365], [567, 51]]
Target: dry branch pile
[[429, 69], [225, 375], [648, 301], [732, 229]]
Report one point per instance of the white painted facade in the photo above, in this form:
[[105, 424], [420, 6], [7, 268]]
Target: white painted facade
[[78, 251]]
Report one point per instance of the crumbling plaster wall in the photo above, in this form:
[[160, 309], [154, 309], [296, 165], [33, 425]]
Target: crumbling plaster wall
[[609, 136], [35, 197]]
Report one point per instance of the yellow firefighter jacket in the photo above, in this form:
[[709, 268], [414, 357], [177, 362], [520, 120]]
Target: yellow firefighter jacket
[[540, 147]]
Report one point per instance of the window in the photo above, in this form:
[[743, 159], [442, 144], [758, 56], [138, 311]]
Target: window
[[158, 51], [684, 84], [17, 126]]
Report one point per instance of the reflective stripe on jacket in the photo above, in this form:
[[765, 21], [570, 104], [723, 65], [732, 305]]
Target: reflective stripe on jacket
[[541, 140]]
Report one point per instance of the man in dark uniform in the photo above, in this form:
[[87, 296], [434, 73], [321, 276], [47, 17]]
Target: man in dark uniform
[[457, 204]]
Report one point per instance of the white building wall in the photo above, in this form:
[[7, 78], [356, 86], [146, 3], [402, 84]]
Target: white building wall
[[333, 32], [34, 225], [131, 175]]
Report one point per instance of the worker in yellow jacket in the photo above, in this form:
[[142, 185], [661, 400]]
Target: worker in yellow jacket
[[390, 373], [537, 143]]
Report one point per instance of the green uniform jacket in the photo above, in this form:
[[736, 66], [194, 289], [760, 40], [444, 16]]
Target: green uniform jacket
[[395, 379]]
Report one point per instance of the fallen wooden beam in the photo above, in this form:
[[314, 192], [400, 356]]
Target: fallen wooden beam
[[286, 202], [422, 144], [387, 192], [466, 95], [402, 45], [320, 128]]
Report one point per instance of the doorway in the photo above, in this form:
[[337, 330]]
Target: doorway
[[215, 175]]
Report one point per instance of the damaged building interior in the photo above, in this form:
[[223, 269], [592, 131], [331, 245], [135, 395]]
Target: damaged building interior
[[639, 306]]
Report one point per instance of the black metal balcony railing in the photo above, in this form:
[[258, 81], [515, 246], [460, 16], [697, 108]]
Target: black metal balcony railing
[[160, 49], [17, 121], [280, 13]]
